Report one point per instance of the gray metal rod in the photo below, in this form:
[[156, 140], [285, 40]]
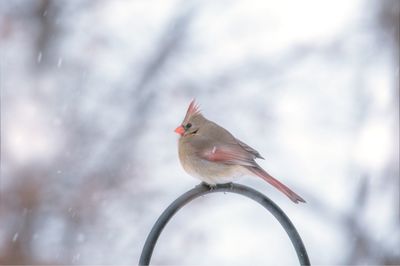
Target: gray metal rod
[[203, 189]]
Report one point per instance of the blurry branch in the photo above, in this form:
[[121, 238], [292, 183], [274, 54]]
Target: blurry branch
[[351, 222], [261, 69], [389, 17], [364, 248], [25, 210], [271, 69], [45, 14], [171, 39], [143, 95], [389, 23], [95, 175]]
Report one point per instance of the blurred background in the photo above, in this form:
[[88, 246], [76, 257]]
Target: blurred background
[[91, 92]]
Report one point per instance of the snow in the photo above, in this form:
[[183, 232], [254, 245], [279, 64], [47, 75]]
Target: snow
[[311, 85], [15, 237]]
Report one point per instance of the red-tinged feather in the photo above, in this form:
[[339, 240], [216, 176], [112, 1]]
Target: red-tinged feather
[[231, 154], [192, 110], [236, 155], [281, 187]]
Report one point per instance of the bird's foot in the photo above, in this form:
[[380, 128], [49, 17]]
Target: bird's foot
[[212, 186]]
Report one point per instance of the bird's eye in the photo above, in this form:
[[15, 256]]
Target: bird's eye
[[188, 125]]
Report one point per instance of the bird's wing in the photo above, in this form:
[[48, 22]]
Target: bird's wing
[[249, 149], [219, 145], [228, 154]]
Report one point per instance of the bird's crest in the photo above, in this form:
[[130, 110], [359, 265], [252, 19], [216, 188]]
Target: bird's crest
[[192, 110]]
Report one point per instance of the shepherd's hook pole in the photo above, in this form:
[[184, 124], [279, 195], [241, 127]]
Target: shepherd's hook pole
[[203, 189]]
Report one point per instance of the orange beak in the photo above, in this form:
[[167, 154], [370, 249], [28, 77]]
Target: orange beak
[[180, 130]]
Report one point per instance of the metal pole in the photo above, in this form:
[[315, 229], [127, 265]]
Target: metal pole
[[203, 189]]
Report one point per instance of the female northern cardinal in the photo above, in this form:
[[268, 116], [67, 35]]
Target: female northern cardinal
[[212, 154]]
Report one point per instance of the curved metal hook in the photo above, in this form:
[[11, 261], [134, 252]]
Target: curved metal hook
[[203, 189]]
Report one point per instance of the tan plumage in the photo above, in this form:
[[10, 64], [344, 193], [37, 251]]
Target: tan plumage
[[212, 154]]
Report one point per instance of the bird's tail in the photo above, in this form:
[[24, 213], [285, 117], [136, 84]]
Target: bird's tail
[[281, 187]]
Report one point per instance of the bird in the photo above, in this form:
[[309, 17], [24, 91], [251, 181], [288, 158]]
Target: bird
[[212, 154]]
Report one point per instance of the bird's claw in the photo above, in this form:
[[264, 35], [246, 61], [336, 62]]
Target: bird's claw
[[212, 187], [209, 186]]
